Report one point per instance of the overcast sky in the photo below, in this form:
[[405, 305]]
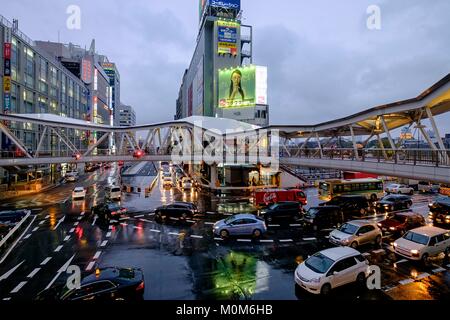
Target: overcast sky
[[323, 61]]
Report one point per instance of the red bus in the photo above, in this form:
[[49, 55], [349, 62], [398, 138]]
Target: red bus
[[270, 196]]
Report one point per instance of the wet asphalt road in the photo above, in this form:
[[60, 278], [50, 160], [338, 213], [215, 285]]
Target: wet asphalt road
[[183, 260]]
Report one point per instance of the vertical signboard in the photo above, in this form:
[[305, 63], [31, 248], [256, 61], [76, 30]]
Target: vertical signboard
[[227, 35], [7, 70]]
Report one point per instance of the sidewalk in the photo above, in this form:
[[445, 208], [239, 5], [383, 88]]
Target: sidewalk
[[6, 195]]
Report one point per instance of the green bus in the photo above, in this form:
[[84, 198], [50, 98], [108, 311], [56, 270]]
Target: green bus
[[370, 187]]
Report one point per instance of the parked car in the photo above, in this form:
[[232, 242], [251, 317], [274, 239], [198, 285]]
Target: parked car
[[113, 193], [79, 193], [440, 211], [331, 268], [351, 205], [287, 211], [108, 211], [186, 183], [356, 233], [327, 217], [428, 187], [183, 210], [394, 202], [423, 243], [399, 188], [240, 225], [105, 284], [400, 222]]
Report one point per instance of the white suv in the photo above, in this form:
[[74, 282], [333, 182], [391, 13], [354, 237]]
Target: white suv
[[331, 268], [399, 188], [356, 233], [422, 243], [78, 193]]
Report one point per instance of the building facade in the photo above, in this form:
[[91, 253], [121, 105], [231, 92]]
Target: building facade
[[223, 42], [125, 116]]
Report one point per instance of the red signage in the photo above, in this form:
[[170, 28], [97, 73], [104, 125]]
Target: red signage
[[7, 51]]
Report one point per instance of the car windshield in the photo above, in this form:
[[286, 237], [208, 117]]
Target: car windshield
[[229, 220], [417, 238], [319, 263], [113, 207], [311, 213], [398, 218], [388, 199], [348, 228], [116, 189], [273, 206]]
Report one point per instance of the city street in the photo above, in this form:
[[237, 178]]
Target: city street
[[183, 259]]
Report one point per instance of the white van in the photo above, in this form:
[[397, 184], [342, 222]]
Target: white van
[[113, 193]]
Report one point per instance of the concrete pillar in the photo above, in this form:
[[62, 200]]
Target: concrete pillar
[[213, 170]]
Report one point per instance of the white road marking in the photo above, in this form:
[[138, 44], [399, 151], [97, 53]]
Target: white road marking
[[174, 234], [47, 216], [33, 273], [97, 255], [196, 237], [209, 223], [7, 274], [71, 230], [266, 241], [125, 218], [401, 261], [5, 255], [210, 212], [79, 218], [42, 222], [295, 225], [273, 225], [218, 239], [227, 214], [95, 219], [110, 227], [438, 270], [422, 276], [140, 216], [58, 248], [7, 299], [90, 266], [75, 224], [309, 239], [59, 222], [27, 236], [61, 270], [44, 262], [191, 221], [67, 238], [82, 213], [286, 240], [108, 234], [154, 230], [151, 214], [244, 240], [104, 243], [145, 220], [35, 229], [406, 281], [18, 287]]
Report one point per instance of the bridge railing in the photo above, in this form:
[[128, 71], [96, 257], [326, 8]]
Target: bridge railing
[[438, 158]]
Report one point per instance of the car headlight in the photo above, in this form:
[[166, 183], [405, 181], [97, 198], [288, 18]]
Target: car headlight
[[415, 252], [392, 228], [315, 280], [345, 241], [447, 217], [395, 244]]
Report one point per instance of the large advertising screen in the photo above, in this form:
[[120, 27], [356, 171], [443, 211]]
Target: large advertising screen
[[242, 87], [226, 4], [227, 34]]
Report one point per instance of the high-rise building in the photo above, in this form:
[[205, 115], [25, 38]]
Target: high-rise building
[[223, 51], [37, 83], [125, 116]]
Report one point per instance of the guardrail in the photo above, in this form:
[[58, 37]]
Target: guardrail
[[438, 158]]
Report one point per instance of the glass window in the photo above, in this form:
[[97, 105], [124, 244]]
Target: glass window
[[319, 263], [416, 237]]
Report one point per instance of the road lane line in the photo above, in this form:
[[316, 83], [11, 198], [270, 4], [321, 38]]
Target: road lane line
[[191, 221], [58, 248], [7, 299], [196, 237], [218, 239], [266, 241], [140, 216], [27, 236], [209, 223], [71, 230], [210, 212], [82, 213], [61, 270], [97, 255], [90, 266], [154, 230], [76, 224], [244, 240], [422, 276], [110, 227], [18, 287], [44, 262], [7, 274], [151, 214], [273, 225], [67, 238], [295, 225], [95, 219], [145, 220], [42, 222], [309, 239], [104, 243], [47, 216], [17, 241], [33, 273], [59, 222], [406, 281], [35, 229], [173, 234], [401, 261], [108, 234], [286, 240], [79, 218]]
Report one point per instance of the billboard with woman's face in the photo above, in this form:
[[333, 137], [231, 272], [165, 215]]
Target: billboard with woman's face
[[242, 87]]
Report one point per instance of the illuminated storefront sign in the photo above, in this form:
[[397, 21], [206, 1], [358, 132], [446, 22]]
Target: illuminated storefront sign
[[227, 34]]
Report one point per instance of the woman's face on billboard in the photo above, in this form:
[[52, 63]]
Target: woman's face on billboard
[[236, 78]]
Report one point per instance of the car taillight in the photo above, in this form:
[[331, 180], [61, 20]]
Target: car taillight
[[141, 286], [114, 213]]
